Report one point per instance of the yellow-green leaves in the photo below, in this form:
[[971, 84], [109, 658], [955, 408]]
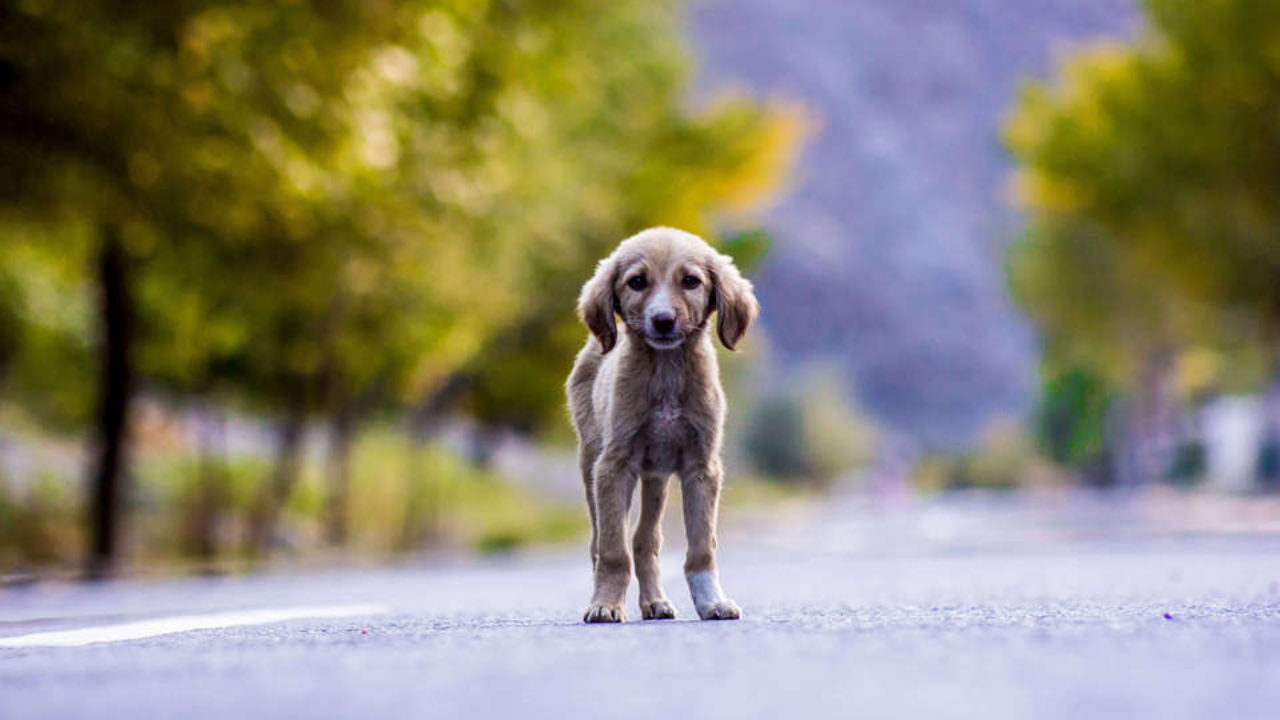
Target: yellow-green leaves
[[1150, 172]]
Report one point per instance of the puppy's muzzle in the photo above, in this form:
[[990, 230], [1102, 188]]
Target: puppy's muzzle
[[663, 331]]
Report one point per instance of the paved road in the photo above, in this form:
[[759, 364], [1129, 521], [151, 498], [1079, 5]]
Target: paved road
[[935, 611]]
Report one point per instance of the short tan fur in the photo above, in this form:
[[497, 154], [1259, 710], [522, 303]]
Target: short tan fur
[[647, 403]]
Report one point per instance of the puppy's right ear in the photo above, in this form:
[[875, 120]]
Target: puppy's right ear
[[597, 306]]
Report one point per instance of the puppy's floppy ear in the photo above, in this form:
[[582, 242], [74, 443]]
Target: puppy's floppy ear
[[596, 304], [735, 301]]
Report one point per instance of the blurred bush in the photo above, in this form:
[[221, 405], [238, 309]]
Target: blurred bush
[[406, 497], [1072, 421], [409, 495], [807, 431], [40, 525], [1006, 458]]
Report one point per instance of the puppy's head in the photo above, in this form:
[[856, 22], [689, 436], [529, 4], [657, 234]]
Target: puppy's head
[[665, 284]]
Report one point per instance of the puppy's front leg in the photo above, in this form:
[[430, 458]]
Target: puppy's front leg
[[614, 480], [701, 491], [647, 544]]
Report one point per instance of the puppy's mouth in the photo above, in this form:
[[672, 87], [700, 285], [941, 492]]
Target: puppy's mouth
[[663, 342]]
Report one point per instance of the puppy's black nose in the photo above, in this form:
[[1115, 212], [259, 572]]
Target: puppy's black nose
[[664, 322]]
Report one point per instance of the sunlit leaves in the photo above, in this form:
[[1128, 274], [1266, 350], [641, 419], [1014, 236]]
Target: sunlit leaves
[[1152, 173], [376, 192]]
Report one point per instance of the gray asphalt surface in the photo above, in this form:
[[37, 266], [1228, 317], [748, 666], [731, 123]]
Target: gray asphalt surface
[[934, 611]]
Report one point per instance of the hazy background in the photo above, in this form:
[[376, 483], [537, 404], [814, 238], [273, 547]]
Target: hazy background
[[295, 282], [897, 219]]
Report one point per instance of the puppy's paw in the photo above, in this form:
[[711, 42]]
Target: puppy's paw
[[725, 609], [660, 609], [604, 613]]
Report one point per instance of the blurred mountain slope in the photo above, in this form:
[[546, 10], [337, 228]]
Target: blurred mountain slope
[[888, 252]]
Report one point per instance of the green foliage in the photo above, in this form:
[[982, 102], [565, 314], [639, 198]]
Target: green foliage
[[748, 248], [775, 438], [328, 206], [46, 334], [807, 434], [38, 525], [171, 496], [1005, 459], [1073, 417], [409, 495], [334, 202], [1150, 172]]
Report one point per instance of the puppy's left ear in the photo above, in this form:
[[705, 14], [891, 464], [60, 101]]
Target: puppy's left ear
[[735, 301]]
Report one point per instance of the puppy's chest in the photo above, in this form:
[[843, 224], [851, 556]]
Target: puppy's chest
[[667, 432], [667, 422]]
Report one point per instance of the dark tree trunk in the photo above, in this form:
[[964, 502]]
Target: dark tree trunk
[[115, 392], [341, 432], [283, 479]]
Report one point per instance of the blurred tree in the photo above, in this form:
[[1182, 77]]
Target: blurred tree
[[213, 150], [1103, 314], [1151, 172], [331, 208]]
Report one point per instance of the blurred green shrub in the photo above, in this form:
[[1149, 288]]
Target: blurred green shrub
[[1072, 420], [1006, 458], [193, 507], [39, 525], [809, 433], [406, 496], [748, 248], [775, 441]]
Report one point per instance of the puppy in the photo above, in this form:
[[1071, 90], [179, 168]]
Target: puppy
[[647, 403]]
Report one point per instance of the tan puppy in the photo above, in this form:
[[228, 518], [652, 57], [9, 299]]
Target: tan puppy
[[647, 403]]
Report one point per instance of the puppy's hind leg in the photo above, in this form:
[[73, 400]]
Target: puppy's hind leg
[[701, 492], [647, 544], [586, 461]]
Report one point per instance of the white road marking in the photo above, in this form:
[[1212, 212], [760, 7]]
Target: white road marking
[[183, 623]]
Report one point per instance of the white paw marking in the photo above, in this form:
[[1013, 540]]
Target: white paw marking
[[709, 599]]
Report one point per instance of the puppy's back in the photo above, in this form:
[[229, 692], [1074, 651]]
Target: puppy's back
[[579, 389]]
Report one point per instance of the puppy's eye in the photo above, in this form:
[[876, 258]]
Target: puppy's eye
[[690, 282], [637, 283]]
